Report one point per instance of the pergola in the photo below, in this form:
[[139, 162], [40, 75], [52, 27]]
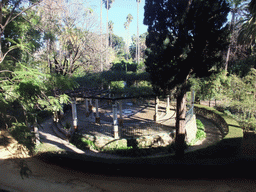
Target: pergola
[[99, 94]]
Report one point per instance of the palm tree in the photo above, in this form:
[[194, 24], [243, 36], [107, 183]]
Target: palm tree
[[247, 33], [101, 63], [108, 4], [138, 46], [110, 28], [126, 49], [129, 19], [237, 6]]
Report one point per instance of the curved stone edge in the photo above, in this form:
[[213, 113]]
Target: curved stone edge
[[229, 127]]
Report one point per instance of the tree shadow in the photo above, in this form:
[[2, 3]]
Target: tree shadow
[[4, 139]]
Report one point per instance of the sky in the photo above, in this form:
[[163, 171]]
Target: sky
[[118, 13]]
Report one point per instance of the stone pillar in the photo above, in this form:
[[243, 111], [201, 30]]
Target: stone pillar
[[115, 124], [121, 121], [156, 109], [97, 119], [168, 104], [87, 113], [90, 105], [74, 114]]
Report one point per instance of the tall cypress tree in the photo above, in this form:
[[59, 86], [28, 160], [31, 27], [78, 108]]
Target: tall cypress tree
[[185, 38]]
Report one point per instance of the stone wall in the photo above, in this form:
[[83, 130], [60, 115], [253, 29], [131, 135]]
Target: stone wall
[[161, 139]]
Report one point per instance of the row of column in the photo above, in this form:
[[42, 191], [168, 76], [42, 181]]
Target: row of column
[[89, 108], [167, 109]]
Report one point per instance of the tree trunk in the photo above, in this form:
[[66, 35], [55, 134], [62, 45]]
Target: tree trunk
[[107, 38], [1, 30], [231, 32], [180, 123], [101, 63], [137, 47]]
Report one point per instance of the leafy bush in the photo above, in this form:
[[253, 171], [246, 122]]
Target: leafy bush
[[199, 124], [200, 134], [82, 143], [123, 66], [23, 135], [117, 85]]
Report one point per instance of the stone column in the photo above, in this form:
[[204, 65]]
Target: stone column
[[156, 109], [74, 114], [87, 113], [168, 104], [121, 121], [115, 124], [97, 119], [90, 105]]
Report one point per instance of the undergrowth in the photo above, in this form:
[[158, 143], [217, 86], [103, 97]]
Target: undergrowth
[[200, 134]]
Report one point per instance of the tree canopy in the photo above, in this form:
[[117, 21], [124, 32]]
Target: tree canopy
[[185, 38]]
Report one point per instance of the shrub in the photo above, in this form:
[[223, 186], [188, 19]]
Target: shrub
[[23, 135], [199, 124], [200, 134]]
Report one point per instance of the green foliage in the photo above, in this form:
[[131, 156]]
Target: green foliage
[[80, 142], [24, 94], [23, 135], [94, 80], [118, 43], [124, 66], [199, 125], [214, 86], [241, 93], [200, 134], [60, 82], [13, 41], [116, 85]]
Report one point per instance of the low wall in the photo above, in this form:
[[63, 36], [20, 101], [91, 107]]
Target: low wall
[[191, 129], [227, 125], [161, 139]]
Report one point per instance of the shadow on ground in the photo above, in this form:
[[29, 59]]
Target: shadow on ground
[[220, 161]]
